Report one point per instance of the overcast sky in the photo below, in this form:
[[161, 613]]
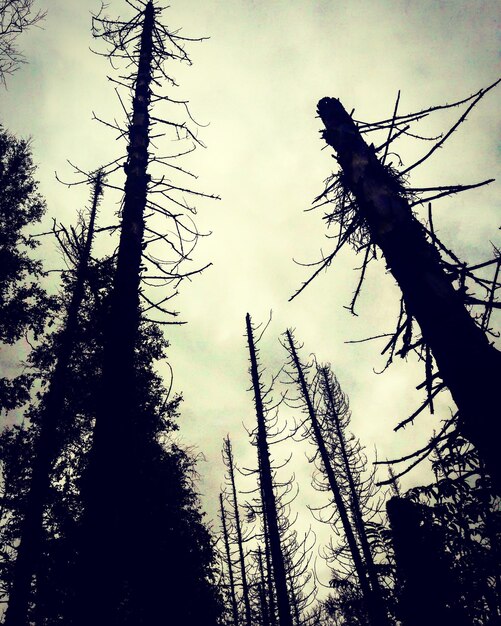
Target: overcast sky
[[256, 82]]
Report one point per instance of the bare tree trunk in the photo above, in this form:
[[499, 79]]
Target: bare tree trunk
[[374, 608], [355, 504], [266, 480], [47, 445], [226, 539], [263, 600], [269, 570], [469, 365], [238, 528], [115, 459]]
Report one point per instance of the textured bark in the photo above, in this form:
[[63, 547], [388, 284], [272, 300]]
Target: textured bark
[[234, 609], [375, 610], [469, 365], [238, 528], [46, 445], [266, 481]]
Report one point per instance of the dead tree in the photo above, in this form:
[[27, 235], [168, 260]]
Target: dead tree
[[16, 16], [229, 562], [77, 249], [228, 460], [117, 463], [365, 571], [374, 210], [266, 485], [336, 403]]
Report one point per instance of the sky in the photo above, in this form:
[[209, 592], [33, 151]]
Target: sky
[[255, 84]]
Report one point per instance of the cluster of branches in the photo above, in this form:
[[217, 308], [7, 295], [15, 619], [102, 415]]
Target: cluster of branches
[[379, 572], [16, 16], [373, 206]]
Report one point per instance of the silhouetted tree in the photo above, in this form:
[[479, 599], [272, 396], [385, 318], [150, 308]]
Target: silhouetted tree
[[373, 208], [337, 470], [463, 506], [229, 463], [266, 486], [124, 451], [23, 302], [45, 447], [424, 570], [229, 562]]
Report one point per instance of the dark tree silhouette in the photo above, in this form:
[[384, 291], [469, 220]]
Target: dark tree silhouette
[[46, 446], [266, 486], [229, 462], [329, 440], [463, 506], [23, 303], [424, 570], [373, 207], [229, 563], [126, 462], [16, 16]]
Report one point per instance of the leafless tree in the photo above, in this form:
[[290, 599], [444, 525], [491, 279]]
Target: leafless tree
[[340, 464], [16, 16], [372, 204]]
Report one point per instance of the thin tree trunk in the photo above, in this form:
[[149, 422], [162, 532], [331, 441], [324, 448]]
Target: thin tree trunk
[[46, 445], [266, 480], [234, 608], [269, 569], [375, 611], [469, 365], [245, 586], [265, 610], [355, 503]]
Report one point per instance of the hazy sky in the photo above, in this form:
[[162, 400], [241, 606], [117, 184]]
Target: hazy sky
[[257, 81]]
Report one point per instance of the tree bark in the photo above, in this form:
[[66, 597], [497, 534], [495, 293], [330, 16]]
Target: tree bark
[[468, 364]]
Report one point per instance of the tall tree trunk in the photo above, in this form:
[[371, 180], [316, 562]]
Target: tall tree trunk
[[114, 465], [234, 609], [469, 365], [355, 502], [47, 445], [375, 610], [238, 528], [266, 481]]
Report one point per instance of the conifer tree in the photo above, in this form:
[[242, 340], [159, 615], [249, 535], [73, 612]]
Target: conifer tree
[[126, 461], [46, 445]]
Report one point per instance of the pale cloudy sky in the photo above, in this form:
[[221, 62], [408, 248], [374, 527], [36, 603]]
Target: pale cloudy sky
[[257, 81]]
